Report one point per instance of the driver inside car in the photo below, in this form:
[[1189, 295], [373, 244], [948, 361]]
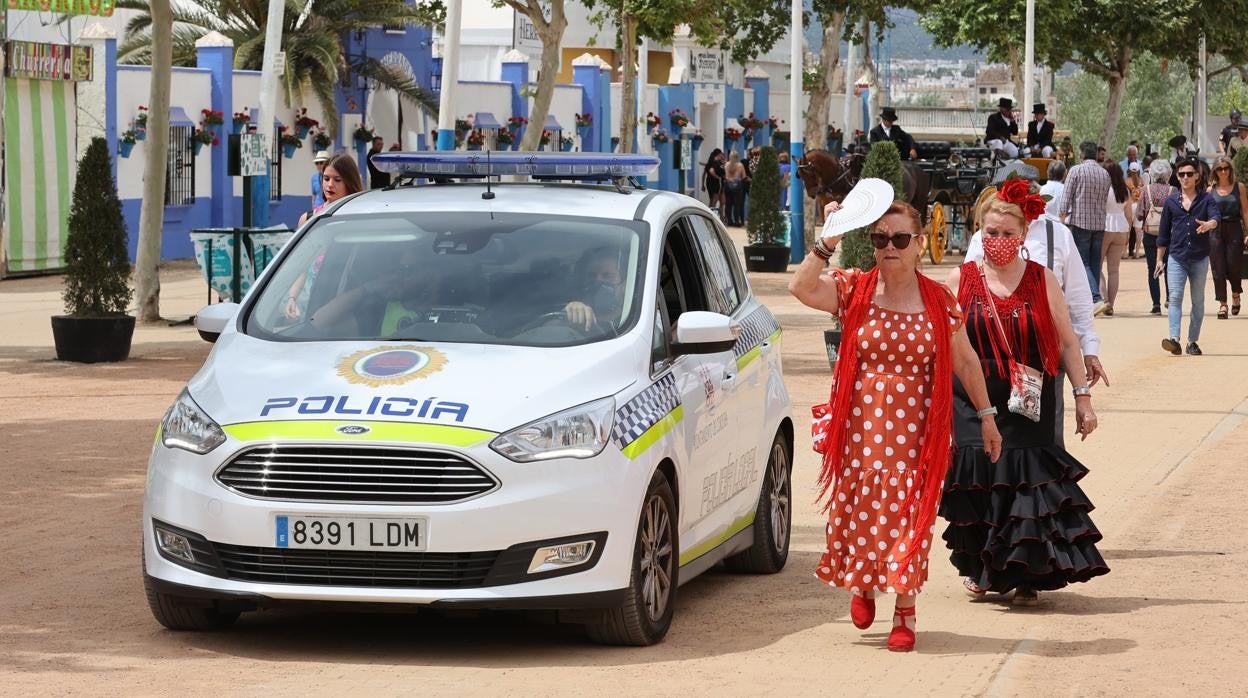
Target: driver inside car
[[602, 289], [392, 301]]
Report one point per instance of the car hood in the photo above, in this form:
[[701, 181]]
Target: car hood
[[485, 387]]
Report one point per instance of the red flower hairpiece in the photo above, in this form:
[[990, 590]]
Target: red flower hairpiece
[[1017, 191]]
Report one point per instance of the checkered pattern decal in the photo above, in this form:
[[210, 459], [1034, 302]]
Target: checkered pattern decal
[[755, 329], [645, 410]]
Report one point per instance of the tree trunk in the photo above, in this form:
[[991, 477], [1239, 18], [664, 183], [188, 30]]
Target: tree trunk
[[816, 135], [868, 66], [152, 210], [628, 86], [551, 34], [1117, 88], [1016, 74]]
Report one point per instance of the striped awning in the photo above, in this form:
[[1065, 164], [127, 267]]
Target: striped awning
[[40, 161]]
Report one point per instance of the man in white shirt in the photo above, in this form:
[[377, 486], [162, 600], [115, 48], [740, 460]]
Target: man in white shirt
[[1053, 189], [1059, 253]]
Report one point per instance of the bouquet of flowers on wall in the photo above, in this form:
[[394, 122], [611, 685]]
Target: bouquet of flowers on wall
[[774, 123], [140, 119], [584, 120], [321, 140], [750, 122], [363, 133], [476, 138], [288, 139], [204, 137], [211, 118], [545, 138], [129, 136], [697, 137], [242, 117], [464, 125], [731, 135], [517, 122], [302, 120], [567, 142], [505, 137], [658, 135], [679, 118], [652, 120]]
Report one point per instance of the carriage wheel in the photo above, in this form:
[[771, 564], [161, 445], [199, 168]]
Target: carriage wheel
[[970, 216], [937, 239]]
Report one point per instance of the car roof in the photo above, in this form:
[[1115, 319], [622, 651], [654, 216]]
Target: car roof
[[556, 199]]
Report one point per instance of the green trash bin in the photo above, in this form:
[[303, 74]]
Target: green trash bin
[[232, 258]]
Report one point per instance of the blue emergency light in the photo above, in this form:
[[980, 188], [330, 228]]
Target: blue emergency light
[[580, 166]]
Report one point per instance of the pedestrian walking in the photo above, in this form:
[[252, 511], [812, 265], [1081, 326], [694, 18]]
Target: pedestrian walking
[[1019, 523], [1082, 207], [1118, 215], [1135, 183], [884, 434], [1152, 201], [318, 191], [340, 177], [1053, 188], [713, 182], [376, 178], [1187, 218], [1051, 244], [786, 170], [734, 189], [1226, 253]]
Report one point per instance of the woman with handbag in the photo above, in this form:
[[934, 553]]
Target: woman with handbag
[[884, 434], [1152, 199], [1020, 524]]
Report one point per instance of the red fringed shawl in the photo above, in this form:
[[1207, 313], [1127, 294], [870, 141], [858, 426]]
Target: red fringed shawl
[[937, 434], [1015, 319]]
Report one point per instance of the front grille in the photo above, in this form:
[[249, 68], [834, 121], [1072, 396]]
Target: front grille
[[356, 568], [373, 475]]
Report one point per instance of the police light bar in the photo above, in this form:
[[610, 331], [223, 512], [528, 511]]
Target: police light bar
[[538, 165]]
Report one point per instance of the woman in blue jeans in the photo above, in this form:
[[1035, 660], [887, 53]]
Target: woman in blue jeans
[[1186, 220]]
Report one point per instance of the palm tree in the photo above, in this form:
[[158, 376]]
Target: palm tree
[[313, 39]]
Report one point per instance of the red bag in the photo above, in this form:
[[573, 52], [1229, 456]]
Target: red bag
[[821, 416]]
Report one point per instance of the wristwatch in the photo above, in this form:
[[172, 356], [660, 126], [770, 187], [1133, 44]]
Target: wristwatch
[[989, 410]]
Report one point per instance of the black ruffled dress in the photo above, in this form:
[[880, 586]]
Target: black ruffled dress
[[1022, 521]]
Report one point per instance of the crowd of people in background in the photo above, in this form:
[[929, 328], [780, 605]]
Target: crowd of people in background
[[726, 181]]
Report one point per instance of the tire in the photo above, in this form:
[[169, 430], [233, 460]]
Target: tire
[[182, 613], [641, 620], [773, 517]]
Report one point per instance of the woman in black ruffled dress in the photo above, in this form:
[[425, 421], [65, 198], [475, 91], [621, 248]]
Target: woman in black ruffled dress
[[1020, 524]]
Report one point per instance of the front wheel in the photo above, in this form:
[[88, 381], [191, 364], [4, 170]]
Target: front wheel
[[646, 615], [178, 613], [773, 517]]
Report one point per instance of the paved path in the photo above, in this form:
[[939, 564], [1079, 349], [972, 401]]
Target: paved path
[[1168, 467]]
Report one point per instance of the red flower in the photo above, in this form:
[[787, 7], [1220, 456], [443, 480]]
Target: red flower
[[216, 141], [1017, 191]]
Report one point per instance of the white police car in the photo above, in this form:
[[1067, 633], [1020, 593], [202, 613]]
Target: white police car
[[478, 395]]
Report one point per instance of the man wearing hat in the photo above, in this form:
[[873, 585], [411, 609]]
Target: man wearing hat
[[1238, 140], [318, 194], [1002, 129], [1229, 132], [1040, 132], [888, 130]]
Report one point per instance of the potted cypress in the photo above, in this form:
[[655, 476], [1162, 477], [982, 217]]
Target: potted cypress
[[767, 249], [97, 268]]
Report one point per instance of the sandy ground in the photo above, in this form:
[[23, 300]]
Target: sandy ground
[[1167, 469]]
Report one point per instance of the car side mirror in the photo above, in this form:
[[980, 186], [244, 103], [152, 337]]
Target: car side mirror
[[702, 332], [212, 320]]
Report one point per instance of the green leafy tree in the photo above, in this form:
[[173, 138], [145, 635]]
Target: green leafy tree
[[314, 42], [97, 265], [550, 21], [765, 224], [883, 162], [1240, 163], [1155, 104]]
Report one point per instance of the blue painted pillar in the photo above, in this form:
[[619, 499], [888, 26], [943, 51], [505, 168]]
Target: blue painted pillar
[[604, 110], [516, 71], [761, 108], [217, 55], [586, 75]]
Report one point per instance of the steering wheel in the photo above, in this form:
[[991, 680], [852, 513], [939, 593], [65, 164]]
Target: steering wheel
[[559, 316]]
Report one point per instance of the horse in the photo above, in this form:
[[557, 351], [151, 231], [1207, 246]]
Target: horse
[[828, 178]]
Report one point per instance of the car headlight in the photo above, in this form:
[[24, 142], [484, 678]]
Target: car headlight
[[580, 432], [189, 428]]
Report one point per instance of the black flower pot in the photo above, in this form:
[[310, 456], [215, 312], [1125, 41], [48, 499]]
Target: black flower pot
[[766, 258], [92, 339]]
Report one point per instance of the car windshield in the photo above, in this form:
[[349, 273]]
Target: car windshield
[[475, 277]]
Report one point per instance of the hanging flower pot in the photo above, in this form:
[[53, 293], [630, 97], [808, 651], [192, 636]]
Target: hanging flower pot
[[198, 146], [124, 148], [239, 126], [140, 134], [472, 146], [288, 150]]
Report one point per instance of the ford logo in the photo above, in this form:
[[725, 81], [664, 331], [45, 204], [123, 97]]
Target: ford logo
[[352, 429]]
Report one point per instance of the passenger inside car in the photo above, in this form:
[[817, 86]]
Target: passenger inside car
[[384, 305]]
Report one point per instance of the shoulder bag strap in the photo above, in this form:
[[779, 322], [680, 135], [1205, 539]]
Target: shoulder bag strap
[[1048, 232], [992, 308]]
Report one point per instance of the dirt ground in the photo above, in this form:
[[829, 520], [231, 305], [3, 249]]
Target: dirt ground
[[1167, 471]]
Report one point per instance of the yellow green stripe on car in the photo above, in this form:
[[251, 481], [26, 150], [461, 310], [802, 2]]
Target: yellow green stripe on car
[[651, 436], [748, 357], [714, 541], [327, 430]]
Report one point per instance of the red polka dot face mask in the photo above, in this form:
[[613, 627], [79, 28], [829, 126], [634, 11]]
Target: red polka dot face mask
[[1002, 249]]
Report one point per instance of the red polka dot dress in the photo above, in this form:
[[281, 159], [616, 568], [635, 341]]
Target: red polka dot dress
[[868, 522]]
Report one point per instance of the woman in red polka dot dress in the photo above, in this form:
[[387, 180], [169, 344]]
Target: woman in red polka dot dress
[[885, 434]]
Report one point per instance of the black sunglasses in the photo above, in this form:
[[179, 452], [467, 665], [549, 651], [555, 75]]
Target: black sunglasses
[[1186, 174], [900, 240]]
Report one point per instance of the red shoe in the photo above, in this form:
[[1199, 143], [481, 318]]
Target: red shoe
[[862, 611], [902, 637]]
